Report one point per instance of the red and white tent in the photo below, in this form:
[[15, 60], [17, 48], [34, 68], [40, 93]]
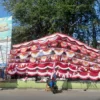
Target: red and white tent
[[67, 56]]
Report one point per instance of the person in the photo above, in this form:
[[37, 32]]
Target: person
[[54, 85], [54, 78], [51, 82], [48, 80], [48, 85]]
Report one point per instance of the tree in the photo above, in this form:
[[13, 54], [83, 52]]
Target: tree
[[43, 17]]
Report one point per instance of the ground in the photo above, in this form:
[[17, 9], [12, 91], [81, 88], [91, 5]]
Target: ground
[[34, 94]]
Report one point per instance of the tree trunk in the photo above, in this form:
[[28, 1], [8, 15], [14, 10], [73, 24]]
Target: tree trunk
[[94, 43]]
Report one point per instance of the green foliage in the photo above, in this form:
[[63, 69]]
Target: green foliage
[[38, 18]]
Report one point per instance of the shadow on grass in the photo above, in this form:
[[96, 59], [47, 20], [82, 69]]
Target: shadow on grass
[[8, 84], [90, 84]]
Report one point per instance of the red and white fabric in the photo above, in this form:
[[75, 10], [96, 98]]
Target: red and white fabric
[[85, 63], [93, 54], [34, 54], [42, 66], [61, 73], [21, 72], [14, 52], [93, 75], [23, 50], [64, 58], [63, 66], [32, 66], [47, 51], [72, 74], [83, 50], [11, 72], [23, 55], [49, 72], [75, 61], [50, 65], [42, 72], [32, 72], [32, 60], [44, 59], [33, 48], [43, 46], [82, 69], [72, 67], [63, 44], [70, 54], [58, 51], [54, 57], [83, 75], [21, 66], [74, 47]]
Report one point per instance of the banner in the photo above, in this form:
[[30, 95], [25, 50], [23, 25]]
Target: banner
[[5, 39]]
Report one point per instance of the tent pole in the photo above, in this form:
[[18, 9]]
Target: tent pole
[[7, 51], [1, 54]]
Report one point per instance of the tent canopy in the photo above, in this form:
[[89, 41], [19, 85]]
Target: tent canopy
[[57, 52]]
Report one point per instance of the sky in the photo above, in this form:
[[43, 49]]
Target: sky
[[3, 12]]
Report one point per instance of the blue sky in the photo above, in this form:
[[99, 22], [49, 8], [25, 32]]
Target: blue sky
[[3, 12]]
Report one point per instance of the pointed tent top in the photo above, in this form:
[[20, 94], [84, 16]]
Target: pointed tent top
[[54, 37]]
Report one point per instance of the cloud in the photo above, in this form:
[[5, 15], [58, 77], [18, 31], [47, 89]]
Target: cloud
[[4, 27], [2, 19], [10, 18]]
